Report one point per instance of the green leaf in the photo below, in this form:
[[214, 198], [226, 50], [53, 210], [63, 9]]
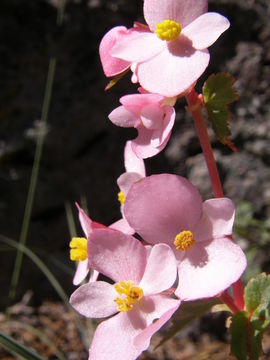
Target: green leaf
[[16, 349], [218, 93], [188, 312], [257, 299], [246, 343]]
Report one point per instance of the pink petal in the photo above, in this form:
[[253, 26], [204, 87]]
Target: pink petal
[[206, 29], [159, 137], [152, 116], [142, 341], [132, 162], [174, 70], [113, 339], [117, 255], [126, 180], [122, 117], [123, 226], [217, 219], [136, 102], [182, 11], [137, 46], [209, 268], [146, 144], [112, 66], [158, 207], [95, 299], [155, 280], [85, 221], [81, 272]]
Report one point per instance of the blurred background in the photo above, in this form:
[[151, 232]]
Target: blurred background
[[83, 152]]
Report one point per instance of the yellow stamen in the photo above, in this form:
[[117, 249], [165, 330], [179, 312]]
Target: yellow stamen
[[78, 249], [184, 240], [168, 30], [129, 293], [121, 197]]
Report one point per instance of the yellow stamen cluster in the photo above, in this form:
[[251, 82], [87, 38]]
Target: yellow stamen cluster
[[168, 30], [121, 197], [129, 293], [184, 240], [78, 249]]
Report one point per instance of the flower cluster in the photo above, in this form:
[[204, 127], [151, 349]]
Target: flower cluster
[[185, 251]]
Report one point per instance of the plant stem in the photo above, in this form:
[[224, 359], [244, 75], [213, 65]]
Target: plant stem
[[195, 105], [228, 300]]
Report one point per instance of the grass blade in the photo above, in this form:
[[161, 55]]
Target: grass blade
[[17, 349]]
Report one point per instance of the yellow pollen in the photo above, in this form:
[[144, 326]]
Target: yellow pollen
[[129, 293], [184, 240], [121, 197], [168, 30], [78, 249]]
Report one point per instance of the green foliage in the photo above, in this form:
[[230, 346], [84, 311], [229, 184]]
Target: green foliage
[[218, 93], [115, 79], [17, 349], [188, 312], [248, 326]]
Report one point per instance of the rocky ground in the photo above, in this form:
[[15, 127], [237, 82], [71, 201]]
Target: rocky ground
[[83, 152]]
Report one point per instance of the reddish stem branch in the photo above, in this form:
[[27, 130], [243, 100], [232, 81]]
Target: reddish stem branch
[[195, 105], [228, 300]]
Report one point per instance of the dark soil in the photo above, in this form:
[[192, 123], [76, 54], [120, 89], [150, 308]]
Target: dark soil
[[83, 152]]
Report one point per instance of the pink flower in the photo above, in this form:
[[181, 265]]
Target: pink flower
[[78, 246], [170, 54], [151, 116], [137, 294], [169, 209]]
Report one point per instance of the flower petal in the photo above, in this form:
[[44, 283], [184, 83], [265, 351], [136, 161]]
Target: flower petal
[[217, 219], [182, 11], [122, 117], [113, 339], [85, 221], [158, 207], [81, 272], [112, 66], [132, 162], [126, 180], [206, 29], [154, 280], [136, 102], [142, 340], [137, 46], [143, 146], [117, 255], [173, 70], [209, 268], [123, 226], [152, 116], [159, 136], [95, 299]]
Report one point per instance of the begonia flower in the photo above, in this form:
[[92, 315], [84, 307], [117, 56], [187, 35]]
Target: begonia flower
[[78, 245], [137, 296], [170, 54], [168, 209], [153, 118]]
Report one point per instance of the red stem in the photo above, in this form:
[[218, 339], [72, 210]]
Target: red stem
[[195, 104], [228, 300]]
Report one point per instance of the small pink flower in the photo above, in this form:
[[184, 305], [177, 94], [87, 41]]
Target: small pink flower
[[169, 209], [137, 294], [170, 54], [88, 226], [151, 116]]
